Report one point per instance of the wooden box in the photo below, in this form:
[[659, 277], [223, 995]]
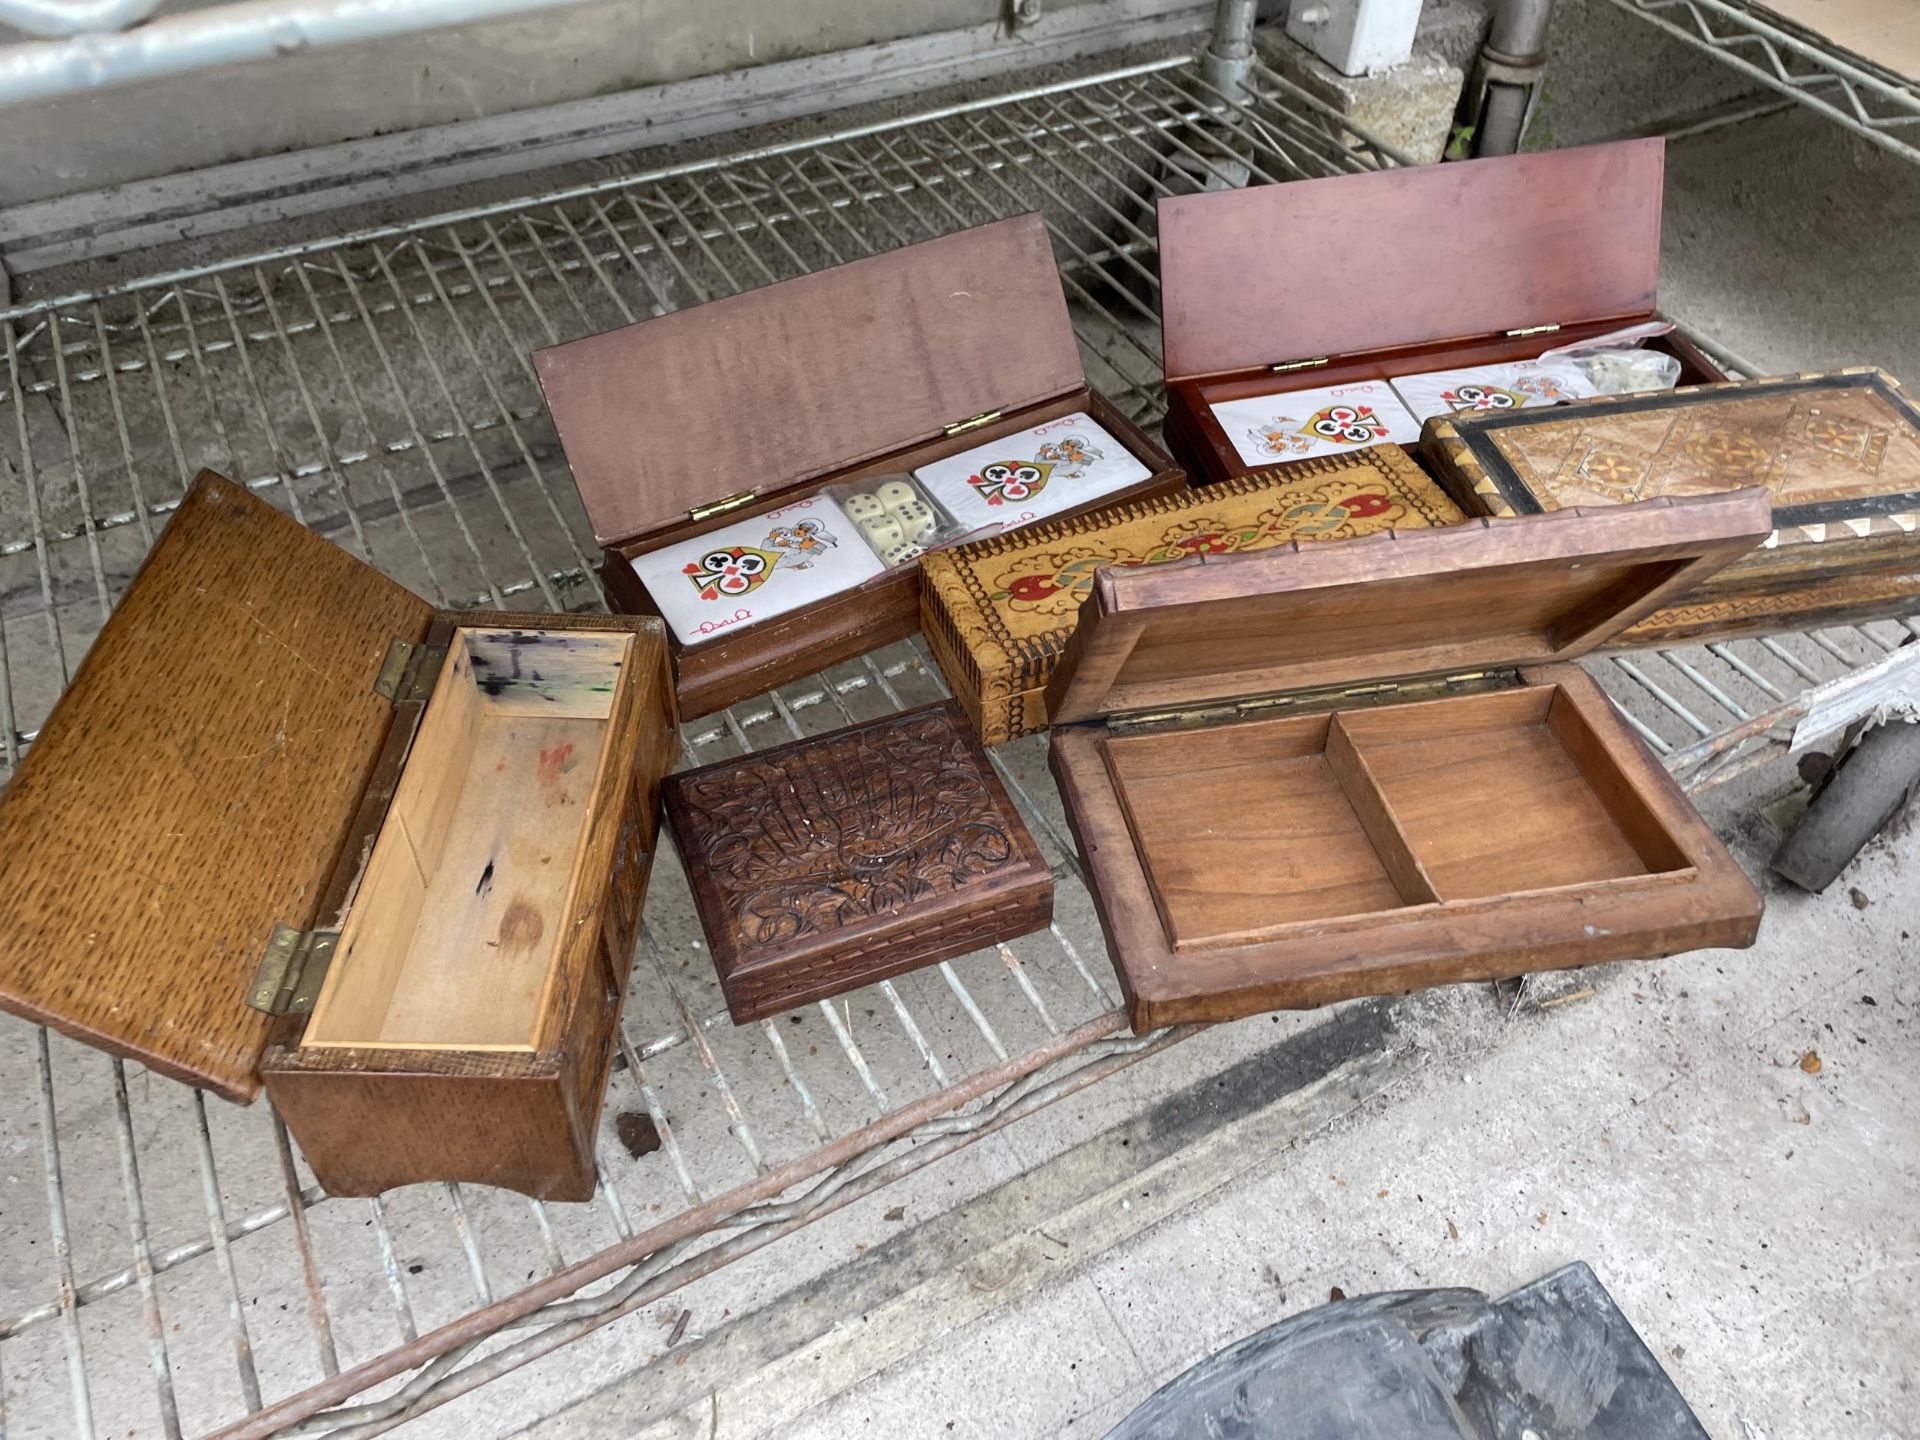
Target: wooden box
[[1363, 768], [281, 783], [997, 613], [831, 863], [1318, 283], [1840, 454], [701, 417]]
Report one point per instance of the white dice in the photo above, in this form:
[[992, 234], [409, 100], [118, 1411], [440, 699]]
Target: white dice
[[895, 493], [899, 554], [862, 508], [881, 532], [916, 519]]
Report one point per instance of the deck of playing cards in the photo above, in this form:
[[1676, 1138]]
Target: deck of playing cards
[[756, 569], [1299, 424], [1030, 474], [1518, 386]]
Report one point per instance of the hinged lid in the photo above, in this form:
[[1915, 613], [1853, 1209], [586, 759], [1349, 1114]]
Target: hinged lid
[[194, 786], [1390, 607], [1277, 274], [763, 390]]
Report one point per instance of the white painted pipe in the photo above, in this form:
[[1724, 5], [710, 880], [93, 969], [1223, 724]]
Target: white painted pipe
[[226, 35], [74, 17]]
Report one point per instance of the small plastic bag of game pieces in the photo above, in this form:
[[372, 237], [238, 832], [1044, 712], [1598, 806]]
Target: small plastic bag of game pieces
[[899, 521], [1618, 363]]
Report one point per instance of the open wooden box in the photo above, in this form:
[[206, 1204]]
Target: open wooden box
[[701, 417], [290, 825], [1318, 283], [1363, 767]]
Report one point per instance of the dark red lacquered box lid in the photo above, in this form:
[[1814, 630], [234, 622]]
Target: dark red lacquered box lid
[[783, 384], [1388, 258]]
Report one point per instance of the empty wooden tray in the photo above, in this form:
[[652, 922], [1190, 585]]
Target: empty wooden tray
[[282, 786], [1359, 768]]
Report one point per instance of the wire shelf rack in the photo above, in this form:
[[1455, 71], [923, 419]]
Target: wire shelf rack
[[1868, 99], [168, 1266]]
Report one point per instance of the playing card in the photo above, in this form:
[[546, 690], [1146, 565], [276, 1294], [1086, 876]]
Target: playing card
[[1517, 386], [1298, 424], [756, 568], [1030, 474]]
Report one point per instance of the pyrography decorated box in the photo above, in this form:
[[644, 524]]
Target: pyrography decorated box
[[835, 862], [997, 613], [1362, 768], [1839, 453], [1333, 287], [695, 421], [292, 825]]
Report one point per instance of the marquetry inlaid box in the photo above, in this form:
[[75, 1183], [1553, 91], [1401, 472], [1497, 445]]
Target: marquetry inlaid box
[[1840, 454], [1365, 767], [1319, 284], [293, 827], [702, 417], [997, 613], [835, 862]]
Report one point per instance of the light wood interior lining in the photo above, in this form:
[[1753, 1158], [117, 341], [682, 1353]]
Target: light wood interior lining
[[456, 928], [1251, 830]]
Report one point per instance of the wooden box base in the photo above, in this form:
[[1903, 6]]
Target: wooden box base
[[1365, 853], [465, 1024], [1201, 447], [831, 863], [737, 665]]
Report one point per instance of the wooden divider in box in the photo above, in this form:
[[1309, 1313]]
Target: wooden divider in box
[[997, 613], [1320, 283], [1362, 768], [702, 417], [281, 785], [1839, 453]]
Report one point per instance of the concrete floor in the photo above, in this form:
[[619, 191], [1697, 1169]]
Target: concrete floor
[[1755, 1217]]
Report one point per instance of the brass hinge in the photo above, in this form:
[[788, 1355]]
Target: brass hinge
[[960, 427], [1531, 330], [1322, 698], [722, 506], [1313, 364], [409, 671], [291, 972]]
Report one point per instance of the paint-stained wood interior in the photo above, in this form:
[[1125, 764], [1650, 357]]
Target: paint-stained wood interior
[[454, 936], [1251, 831]]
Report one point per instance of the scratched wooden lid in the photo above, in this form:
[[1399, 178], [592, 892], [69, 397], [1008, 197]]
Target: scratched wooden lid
[[194, 786], [1279, 273], [1394, 606], [780, 385]]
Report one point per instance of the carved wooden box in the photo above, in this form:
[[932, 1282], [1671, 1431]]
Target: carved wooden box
[[1364, 768], [831, 863], [291, 826], [1840, 454], [1316, 284], [702, 417], [997, 613]]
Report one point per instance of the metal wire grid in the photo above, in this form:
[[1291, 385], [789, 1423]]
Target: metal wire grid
[[170, 1266], [1866, 98]]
